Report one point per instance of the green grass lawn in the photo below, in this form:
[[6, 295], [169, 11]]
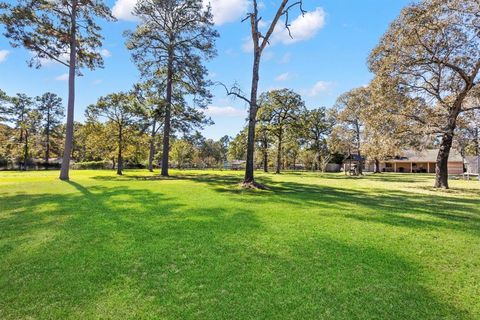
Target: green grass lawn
[[196, 246]]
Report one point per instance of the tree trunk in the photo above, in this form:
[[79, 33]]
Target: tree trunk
[[113, 163], [441, 168], [360, 165], [477, 141], [25, 151], [477, 149], [120, 147], [47, 149], [152, 147], [252, 119], [67, 151], [166, 127], [279, 154], [265, 155], [377, 165], [360, 161]]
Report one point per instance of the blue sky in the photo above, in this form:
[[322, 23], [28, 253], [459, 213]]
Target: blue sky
[[327, 57]]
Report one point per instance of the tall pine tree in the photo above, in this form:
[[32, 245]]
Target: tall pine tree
[[64, 31], [172, 41]]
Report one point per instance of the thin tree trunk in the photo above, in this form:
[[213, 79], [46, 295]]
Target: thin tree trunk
[[47, 149], [360, 164], [477, 141], [252, 116], [25, 151], [166, 127], [120, 147], [360, 160], [265, 155], [279, 154], [67, 151], [477, 149], [377, 165], [152, 147]]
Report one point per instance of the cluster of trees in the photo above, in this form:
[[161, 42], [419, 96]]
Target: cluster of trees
[[313, 138], [120, 127], [101, 145], [292, 133], [35, 128]]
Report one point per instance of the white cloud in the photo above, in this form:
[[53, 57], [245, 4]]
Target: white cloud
[[105, 53], [225, 112], [123, 9], [319, 87], [283, 77], [302, 28], [97, 82], [3, 55], [224, 11], [62, 77]]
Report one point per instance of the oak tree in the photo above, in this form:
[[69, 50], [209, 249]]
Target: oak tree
[[431, 52], [280, 112], [316, 125], [120, 109]]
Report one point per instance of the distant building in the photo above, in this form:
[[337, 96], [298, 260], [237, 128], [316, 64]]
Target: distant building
[[411, 161], [234, 164]]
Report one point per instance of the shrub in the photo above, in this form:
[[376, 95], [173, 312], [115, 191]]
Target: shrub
[[92, 165]]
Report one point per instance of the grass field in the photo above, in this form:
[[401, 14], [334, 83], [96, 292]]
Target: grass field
[[196, 246]]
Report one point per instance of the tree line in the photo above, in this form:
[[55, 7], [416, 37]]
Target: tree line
[[119, 127]]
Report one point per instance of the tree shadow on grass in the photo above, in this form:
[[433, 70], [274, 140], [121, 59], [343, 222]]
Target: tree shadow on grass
[[133, 177], [384, 177], [394, 207], [118, 252], [97, 236]]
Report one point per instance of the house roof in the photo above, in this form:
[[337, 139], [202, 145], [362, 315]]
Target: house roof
[[429, 155]]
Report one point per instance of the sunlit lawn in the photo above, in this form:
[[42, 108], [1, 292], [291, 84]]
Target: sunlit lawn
[[196, 246]]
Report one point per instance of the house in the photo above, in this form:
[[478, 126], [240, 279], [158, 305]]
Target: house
[[412, 161], [234, 164]]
